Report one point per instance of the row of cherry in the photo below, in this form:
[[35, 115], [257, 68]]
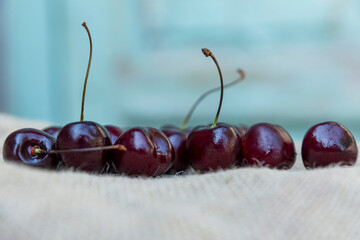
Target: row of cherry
[[146, 151], [89, 146]]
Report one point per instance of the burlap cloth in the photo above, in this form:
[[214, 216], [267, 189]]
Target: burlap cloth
[[233, 204]]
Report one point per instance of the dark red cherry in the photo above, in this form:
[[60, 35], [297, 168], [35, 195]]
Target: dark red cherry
[[148, 152], [212, 148], [241, 130], [84, 134], [53, 131], [178, 139], [20, 147], [328, 143], [114, 132], [178, 136], [268, 145], [217, 146]]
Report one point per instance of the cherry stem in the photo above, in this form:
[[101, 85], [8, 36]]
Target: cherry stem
[[37, 150], [197, 102], [87, 73], [208, 53]]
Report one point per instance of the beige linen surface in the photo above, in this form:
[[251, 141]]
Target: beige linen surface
[[233, 204]]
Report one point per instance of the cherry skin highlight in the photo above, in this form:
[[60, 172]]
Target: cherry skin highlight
[[178, 138], [328, 143], [114, 132], [213, 148], [19, 145], [84, 134], [53, 131], [268, 145], [148, 152]]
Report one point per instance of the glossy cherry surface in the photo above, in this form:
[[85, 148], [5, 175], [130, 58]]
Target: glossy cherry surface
[[268, 145], [148, 152], [19, 145], [212, 148], [114, 132], [84, 134], [53, 131], [328, 143], [178, 139]]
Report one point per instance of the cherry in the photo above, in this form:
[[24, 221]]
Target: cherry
[[241, 130], [269, 145], [328, 143], [53, 131], [148, 152], [177, 138], [79, 135], [84, 134], [114, 132], [23, 146], [217, 146], [212, 148]]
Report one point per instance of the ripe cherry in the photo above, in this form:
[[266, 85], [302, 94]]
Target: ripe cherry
[[84, 134], [328, 143], [28, 145], [217, 146], [53, 131], [114, 132], [269, 145], [212, 148], [241, 130], [178, 136], [148, 152]]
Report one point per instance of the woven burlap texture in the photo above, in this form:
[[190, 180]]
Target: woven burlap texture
[[233, 204]]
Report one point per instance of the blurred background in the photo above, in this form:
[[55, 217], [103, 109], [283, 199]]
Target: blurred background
[[301, 58]]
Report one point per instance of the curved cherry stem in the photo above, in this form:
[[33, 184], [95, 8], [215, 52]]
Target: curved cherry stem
[[36, 150], [197, 102], [87, 72], [208, 53]]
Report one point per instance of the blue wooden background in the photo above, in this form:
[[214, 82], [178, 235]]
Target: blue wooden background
[[302, 61]]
